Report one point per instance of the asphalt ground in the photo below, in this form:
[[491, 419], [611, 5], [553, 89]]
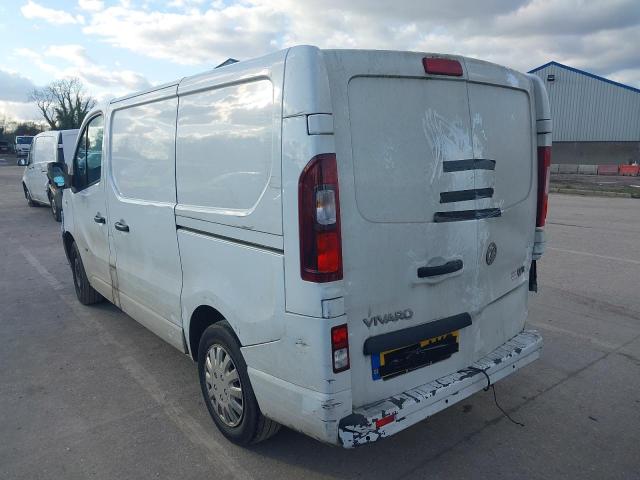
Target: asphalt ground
[[597, 183], [86, 392]]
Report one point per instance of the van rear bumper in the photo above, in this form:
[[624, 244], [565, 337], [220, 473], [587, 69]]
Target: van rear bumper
[[414, 405]]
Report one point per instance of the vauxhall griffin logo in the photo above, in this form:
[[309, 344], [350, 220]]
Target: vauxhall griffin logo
[[405, 314]]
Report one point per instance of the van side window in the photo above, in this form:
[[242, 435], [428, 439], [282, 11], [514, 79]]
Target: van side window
[[87, 161], [143, 150], [224, 146]]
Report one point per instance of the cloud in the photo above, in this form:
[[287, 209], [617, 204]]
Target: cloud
[[91, 5], [14, 87], [20, 111], [191, 37], [518, 33], [35, 11], [64, 61]]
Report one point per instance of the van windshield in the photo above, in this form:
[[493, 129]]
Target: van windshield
[[24, 140]]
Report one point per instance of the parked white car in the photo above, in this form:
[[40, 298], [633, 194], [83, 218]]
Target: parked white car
[[343, 240], [53, 146]]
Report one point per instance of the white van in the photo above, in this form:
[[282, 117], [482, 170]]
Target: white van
[[23, 145], [343, 240], [53, 146]]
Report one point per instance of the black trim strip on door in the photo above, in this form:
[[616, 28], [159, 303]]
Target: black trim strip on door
[[411, 335], [462, 215], [462, 195], [230, 239], [470, 164]]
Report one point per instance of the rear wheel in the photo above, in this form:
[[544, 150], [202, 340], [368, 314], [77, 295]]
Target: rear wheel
[[226, 388], [84, 291], [55, 209]]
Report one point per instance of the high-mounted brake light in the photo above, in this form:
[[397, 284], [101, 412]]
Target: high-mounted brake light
[[319, 220], [340, 348], [544, 174], [442, 66]]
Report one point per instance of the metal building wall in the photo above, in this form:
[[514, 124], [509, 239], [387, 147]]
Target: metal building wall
[[587, 109]]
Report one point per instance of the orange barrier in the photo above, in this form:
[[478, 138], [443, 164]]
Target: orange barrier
[[630, 170], [607, 169]]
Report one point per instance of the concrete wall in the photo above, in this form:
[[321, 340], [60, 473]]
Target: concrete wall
[[595, 153]]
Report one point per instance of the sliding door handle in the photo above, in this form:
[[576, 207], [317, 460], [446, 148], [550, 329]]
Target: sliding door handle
[[449, 267], [121, 226]]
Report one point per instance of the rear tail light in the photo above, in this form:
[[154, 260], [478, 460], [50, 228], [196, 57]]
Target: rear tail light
[[340, 348], [319, 218], [442, 66], [544, 173]]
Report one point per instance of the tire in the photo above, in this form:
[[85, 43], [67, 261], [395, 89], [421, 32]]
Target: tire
[[55, 209], [84, 291], [251, 427], [27, 195]]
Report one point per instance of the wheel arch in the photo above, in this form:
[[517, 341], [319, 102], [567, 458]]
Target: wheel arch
[[201, 318], [67, 241]]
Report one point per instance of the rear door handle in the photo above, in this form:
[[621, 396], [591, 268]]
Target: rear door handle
[[99, 218], [121, 226], [449, 267]]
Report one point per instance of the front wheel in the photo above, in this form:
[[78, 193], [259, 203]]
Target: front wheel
[[84, 291], [27, 195], [56, 211], [226, 388]]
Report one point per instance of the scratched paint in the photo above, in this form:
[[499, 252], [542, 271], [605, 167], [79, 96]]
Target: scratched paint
[[448, 139], [421, 402]]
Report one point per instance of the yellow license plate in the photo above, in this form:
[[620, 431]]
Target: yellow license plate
[[425, 352]]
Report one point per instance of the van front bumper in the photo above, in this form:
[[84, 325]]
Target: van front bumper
[[412, 406]]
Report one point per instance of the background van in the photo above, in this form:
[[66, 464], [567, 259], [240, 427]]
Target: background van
[[344, 241], [23, 145], [54, 146]]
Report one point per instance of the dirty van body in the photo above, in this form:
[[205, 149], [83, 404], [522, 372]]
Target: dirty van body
[[344, 241]]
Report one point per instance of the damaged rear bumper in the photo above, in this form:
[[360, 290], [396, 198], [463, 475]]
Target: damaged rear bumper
[[364, 425]]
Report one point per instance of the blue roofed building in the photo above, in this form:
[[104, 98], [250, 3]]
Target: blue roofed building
[[595, 120]]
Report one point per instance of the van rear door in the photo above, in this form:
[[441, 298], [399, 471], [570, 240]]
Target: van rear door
[[418, 211], [502, 121]]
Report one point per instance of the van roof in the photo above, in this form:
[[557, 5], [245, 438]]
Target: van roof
[[266, 60]]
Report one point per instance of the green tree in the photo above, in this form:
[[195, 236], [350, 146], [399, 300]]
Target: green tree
[[63, 103]]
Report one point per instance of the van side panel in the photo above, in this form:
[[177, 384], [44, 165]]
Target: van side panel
[[44, 151], [229, 199], [242, 281], [141, 196]]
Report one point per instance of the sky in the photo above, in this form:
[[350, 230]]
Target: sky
[[121, 46]]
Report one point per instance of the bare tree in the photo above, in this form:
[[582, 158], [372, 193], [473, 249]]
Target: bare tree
[[63, 103]]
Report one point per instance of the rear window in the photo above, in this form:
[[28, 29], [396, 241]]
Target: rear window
[[24, 140], [402, 129]]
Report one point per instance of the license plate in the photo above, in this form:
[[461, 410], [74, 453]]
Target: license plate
[[391, 363]]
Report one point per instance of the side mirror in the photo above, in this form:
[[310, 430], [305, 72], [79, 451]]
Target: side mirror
[[57, 174]]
